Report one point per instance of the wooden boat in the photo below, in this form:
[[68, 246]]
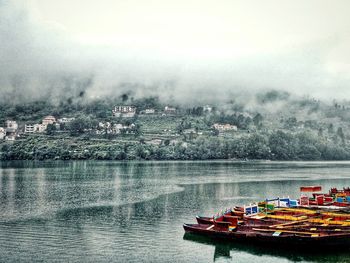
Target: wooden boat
[[204, 220], [334, 191], [225, 249], [321, 220], [224, 230], [278, 215], [236, 211], [335, 197], [311, 188]]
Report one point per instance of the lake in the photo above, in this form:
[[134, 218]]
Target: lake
[[98, 211]]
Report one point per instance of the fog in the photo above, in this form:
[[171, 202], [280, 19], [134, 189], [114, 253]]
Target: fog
[[182, 51]]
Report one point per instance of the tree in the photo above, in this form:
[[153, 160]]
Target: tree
[[308, 146], [51, 129], [330, 128], [125, 97], [320, 132], [282, 145], [340, 133], [80, 125], [257, 120], [291, 123], [258, 148]]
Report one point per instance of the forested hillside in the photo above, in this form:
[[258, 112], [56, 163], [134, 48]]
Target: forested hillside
[[271, 125]]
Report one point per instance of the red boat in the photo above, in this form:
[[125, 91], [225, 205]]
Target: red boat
[[335, 197], [322, 220], [311, 188], [334, 191], [237, 211], [265, 235]]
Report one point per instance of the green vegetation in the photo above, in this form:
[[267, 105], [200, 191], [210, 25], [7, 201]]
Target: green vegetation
[[277, 145], [301, 129]]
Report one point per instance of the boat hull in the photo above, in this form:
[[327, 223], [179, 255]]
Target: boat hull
[[337, 240], [205, 220]]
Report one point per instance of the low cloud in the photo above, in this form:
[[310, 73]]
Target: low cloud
[[41, 60]]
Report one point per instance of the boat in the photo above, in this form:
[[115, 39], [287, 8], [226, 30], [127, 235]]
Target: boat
[[321, 220], [236, 211], [311, 188], [276, 236], [335, 197]]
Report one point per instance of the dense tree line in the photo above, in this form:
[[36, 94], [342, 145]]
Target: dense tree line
[[298, 139], [277, 145]]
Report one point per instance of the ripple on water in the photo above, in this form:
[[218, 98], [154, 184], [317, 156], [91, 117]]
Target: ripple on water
[[116, 212]]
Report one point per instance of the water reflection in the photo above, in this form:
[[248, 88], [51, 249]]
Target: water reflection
[[227, 249], [127, 211]]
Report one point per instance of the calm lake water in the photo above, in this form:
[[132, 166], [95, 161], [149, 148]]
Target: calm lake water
[[133, 212]]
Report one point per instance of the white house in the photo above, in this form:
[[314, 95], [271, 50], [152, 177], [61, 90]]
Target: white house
[[117, 128], [29, 128], [207, 108], [104, 125], [35, 128], [2, 133], [11, 130], [10, 137], [40, 127], [150, 111], [65, 120], [11, 126], [169, 110], [124, 111], [224, 127], [49, 120]]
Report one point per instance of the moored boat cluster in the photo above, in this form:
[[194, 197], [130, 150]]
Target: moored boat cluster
[[315, 219]]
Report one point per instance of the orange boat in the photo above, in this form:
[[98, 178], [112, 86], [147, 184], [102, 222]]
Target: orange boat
[[311, 188]]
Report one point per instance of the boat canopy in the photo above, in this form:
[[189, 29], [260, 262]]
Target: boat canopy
[[282, 202], [251, 209]]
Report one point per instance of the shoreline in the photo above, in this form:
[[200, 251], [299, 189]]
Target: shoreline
[[233, 161]]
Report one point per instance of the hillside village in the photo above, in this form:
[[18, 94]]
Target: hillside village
[[147, 129], [50, 124]]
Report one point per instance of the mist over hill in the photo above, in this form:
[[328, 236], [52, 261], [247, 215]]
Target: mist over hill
[[243, 80], [41, 59]]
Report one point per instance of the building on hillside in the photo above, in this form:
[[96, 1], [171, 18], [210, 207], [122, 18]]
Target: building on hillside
[[35, 128], [11, 126], [149, 111], [189, 131], [2, 133], [49, 120], [65, 120], [104, 125], [169, 110], [11, 136], [124, 111], [154, 142], [207, 109], [29, 128], [224, 127], [40, 127], [118, 128], [11, 130]]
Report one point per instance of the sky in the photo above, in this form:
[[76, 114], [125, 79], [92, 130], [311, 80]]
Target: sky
[[183, 50]]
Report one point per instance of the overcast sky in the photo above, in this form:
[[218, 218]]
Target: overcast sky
[[202, 48]]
